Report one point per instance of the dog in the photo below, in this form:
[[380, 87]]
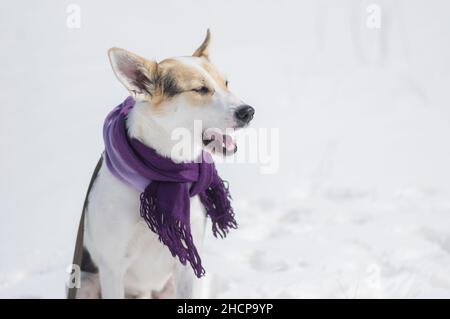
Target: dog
[[121, 257]]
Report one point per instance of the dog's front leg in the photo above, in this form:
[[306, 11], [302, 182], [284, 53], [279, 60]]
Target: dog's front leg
[[187, 285], [111, 282], [184, 282]]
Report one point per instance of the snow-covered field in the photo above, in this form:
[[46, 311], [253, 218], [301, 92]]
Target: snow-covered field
[[360, 205]]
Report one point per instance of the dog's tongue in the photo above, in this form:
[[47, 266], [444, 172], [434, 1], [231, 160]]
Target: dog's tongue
[[216, 141], [229, 143]]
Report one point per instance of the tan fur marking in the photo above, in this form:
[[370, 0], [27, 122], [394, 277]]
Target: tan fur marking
[[215, 74], [186, 79]]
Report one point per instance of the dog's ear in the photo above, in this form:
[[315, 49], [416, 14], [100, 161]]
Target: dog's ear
[[137, 74], [203, 50]]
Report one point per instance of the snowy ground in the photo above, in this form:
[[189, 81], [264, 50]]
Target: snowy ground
[[337, 246], [360, 206], [340, 245]]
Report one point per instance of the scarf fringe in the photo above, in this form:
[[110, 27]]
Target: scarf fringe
[[216, 200], [173, 233]]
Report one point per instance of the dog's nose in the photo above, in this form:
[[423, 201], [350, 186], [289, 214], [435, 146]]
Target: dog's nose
[[244, 113]]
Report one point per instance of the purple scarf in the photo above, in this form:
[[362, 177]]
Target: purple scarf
[[166, 188]]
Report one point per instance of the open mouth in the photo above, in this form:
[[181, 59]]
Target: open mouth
[[217, 142]]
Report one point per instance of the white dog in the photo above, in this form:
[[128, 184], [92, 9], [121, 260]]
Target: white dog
[[121, 256]]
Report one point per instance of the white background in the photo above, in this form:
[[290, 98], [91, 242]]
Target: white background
[[359, 206]]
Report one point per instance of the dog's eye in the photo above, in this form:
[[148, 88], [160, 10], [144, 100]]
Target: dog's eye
[[201, 90], [226, 83]]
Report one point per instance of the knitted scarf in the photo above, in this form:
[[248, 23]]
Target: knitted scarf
[[166, 188]]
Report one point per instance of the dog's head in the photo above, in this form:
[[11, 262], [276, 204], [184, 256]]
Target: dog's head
[[177, 92]]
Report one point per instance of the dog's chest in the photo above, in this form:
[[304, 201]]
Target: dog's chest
[[150, 263], [116, 234]]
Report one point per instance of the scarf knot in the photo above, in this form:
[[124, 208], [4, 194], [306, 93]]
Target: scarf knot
[[166, 188]]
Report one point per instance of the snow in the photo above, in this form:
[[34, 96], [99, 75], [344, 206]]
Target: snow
[[360, 206]]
